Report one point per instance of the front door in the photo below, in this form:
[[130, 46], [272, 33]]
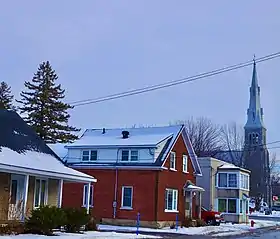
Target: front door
[[16, 197]]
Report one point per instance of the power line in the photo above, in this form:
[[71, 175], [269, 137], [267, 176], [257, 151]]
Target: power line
[[176, 82]]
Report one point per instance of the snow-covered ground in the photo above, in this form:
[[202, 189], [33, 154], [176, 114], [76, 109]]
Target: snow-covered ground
[[274, 214], [87, 235], [222, 230]]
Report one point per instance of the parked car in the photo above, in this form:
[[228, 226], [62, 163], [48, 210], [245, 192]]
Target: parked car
[[211, 217], [275, 208]]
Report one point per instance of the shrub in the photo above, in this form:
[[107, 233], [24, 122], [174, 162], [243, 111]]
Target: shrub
[[91, 225], [44, 219], [187, 222], [172, 226], [200, 223], [75, 219], [11, 228]]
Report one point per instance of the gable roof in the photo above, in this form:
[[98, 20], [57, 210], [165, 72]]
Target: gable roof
[[23, 151], [138, 137], [149, 137]]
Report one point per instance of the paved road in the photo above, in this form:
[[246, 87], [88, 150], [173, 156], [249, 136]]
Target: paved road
[[274, 234]]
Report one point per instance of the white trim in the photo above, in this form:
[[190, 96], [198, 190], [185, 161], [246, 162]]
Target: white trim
[[60, 193], [88, 196], [131, 200], [41, 173], [172, 156], [174, 196], [175, 211], [40, 188], [25, 195], [185, 162]]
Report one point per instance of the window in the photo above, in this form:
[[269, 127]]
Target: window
[[89, 155], [90, 195], [127, 197], [171, 199], [222, 180], [244, 181], [240, 206], [227, 180], [185, 163], [14, 192], [172, 160], [129, 155], [232, 180], [227, 205], [40, 197]]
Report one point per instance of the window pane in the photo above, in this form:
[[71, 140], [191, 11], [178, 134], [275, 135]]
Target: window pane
[[37, 192], [172, 160], [85, 155], [125, 155], [222, 180], [240, 206], [85, 195], [127, 196], [232, 180], [14, 192], [222, 205], [169, 199], [174, 206], [185, 163], [134, 155], [232, 205], [93, 155], [43, 192]]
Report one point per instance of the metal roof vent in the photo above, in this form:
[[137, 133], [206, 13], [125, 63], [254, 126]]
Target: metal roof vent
[[125, 134], [103, 131]]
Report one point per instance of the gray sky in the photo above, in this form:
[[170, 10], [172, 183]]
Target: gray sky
[[103, 47]]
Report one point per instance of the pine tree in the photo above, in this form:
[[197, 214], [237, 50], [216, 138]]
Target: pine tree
[[44, 109], [6, 97]]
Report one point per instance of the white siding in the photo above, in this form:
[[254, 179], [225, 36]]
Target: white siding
[[110, 155]]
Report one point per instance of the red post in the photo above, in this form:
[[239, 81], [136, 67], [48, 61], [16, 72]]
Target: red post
[[252, 223]]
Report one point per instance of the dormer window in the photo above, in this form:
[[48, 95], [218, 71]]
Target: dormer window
[[129, 155], [89, 155]]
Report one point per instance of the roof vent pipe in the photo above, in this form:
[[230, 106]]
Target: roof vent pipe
[[125, 134], [103, 131]]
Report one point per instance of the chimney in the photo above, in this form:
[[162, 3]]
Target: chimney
[[125, 134], [103, 131]]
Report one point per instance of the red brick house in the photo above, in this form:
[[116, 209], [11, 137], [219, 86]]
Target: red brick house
[[147, 170]]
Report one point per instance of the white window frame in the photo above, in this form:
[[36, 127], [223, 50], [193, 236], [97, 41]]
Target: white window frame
[[40, 189], [89, 155], [227, 186], [185, 163], [243, 181], [174, 202], [172, 156], [227, 199], [129, 155], [131, 200], [85, 196]]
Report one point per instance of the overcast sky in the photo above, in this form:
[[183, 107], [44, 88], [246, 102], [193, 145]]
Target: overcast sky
[[103, 47]]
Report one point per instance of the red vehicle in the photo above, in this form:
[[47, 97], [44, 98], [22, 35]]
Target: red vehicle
[[211, 217]]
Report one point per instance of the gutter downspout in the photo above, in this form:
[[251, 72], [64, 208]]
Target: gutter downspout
[[116, 187]]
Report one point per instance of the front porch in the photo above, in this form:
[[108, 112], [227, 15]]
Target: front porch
[[193, 204], [21, 193]]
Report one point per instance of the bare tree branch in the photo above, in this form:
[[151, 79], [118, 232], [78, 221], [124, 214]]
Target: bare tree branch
[[232, 136], [204, 136]]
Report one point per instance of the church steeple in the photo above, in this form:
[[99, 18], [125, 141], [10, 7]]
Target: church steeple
[[254, 112]]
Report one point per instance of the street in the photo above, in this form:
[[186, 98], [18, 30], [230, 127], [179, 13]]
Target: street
[[273, 234]]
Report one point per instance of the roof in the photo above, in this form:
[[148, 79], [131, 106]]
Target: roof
[[23, 151], [228, 166], [140, 137], [148, 137]]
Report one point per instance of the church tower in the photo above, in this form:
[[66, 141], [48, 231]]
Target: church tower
[[256, 156]]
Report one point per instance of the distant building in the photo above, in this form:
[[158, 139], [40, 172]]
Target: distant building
[[226, 189], [256, 156]]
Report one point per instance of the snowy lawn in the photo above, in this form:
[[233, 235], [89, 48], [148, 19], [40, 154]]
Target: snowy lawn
[[87, 235], [222, 230], [274, 214]]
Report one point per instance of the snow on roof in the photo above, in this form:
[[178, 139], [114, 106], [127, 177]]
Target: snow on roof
[[39, 163], [59, 149], [149, 136], [229, 166]]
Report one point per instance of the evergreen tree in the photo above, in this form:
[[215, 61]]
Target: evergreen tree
[[42, 104], [6, 97]]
